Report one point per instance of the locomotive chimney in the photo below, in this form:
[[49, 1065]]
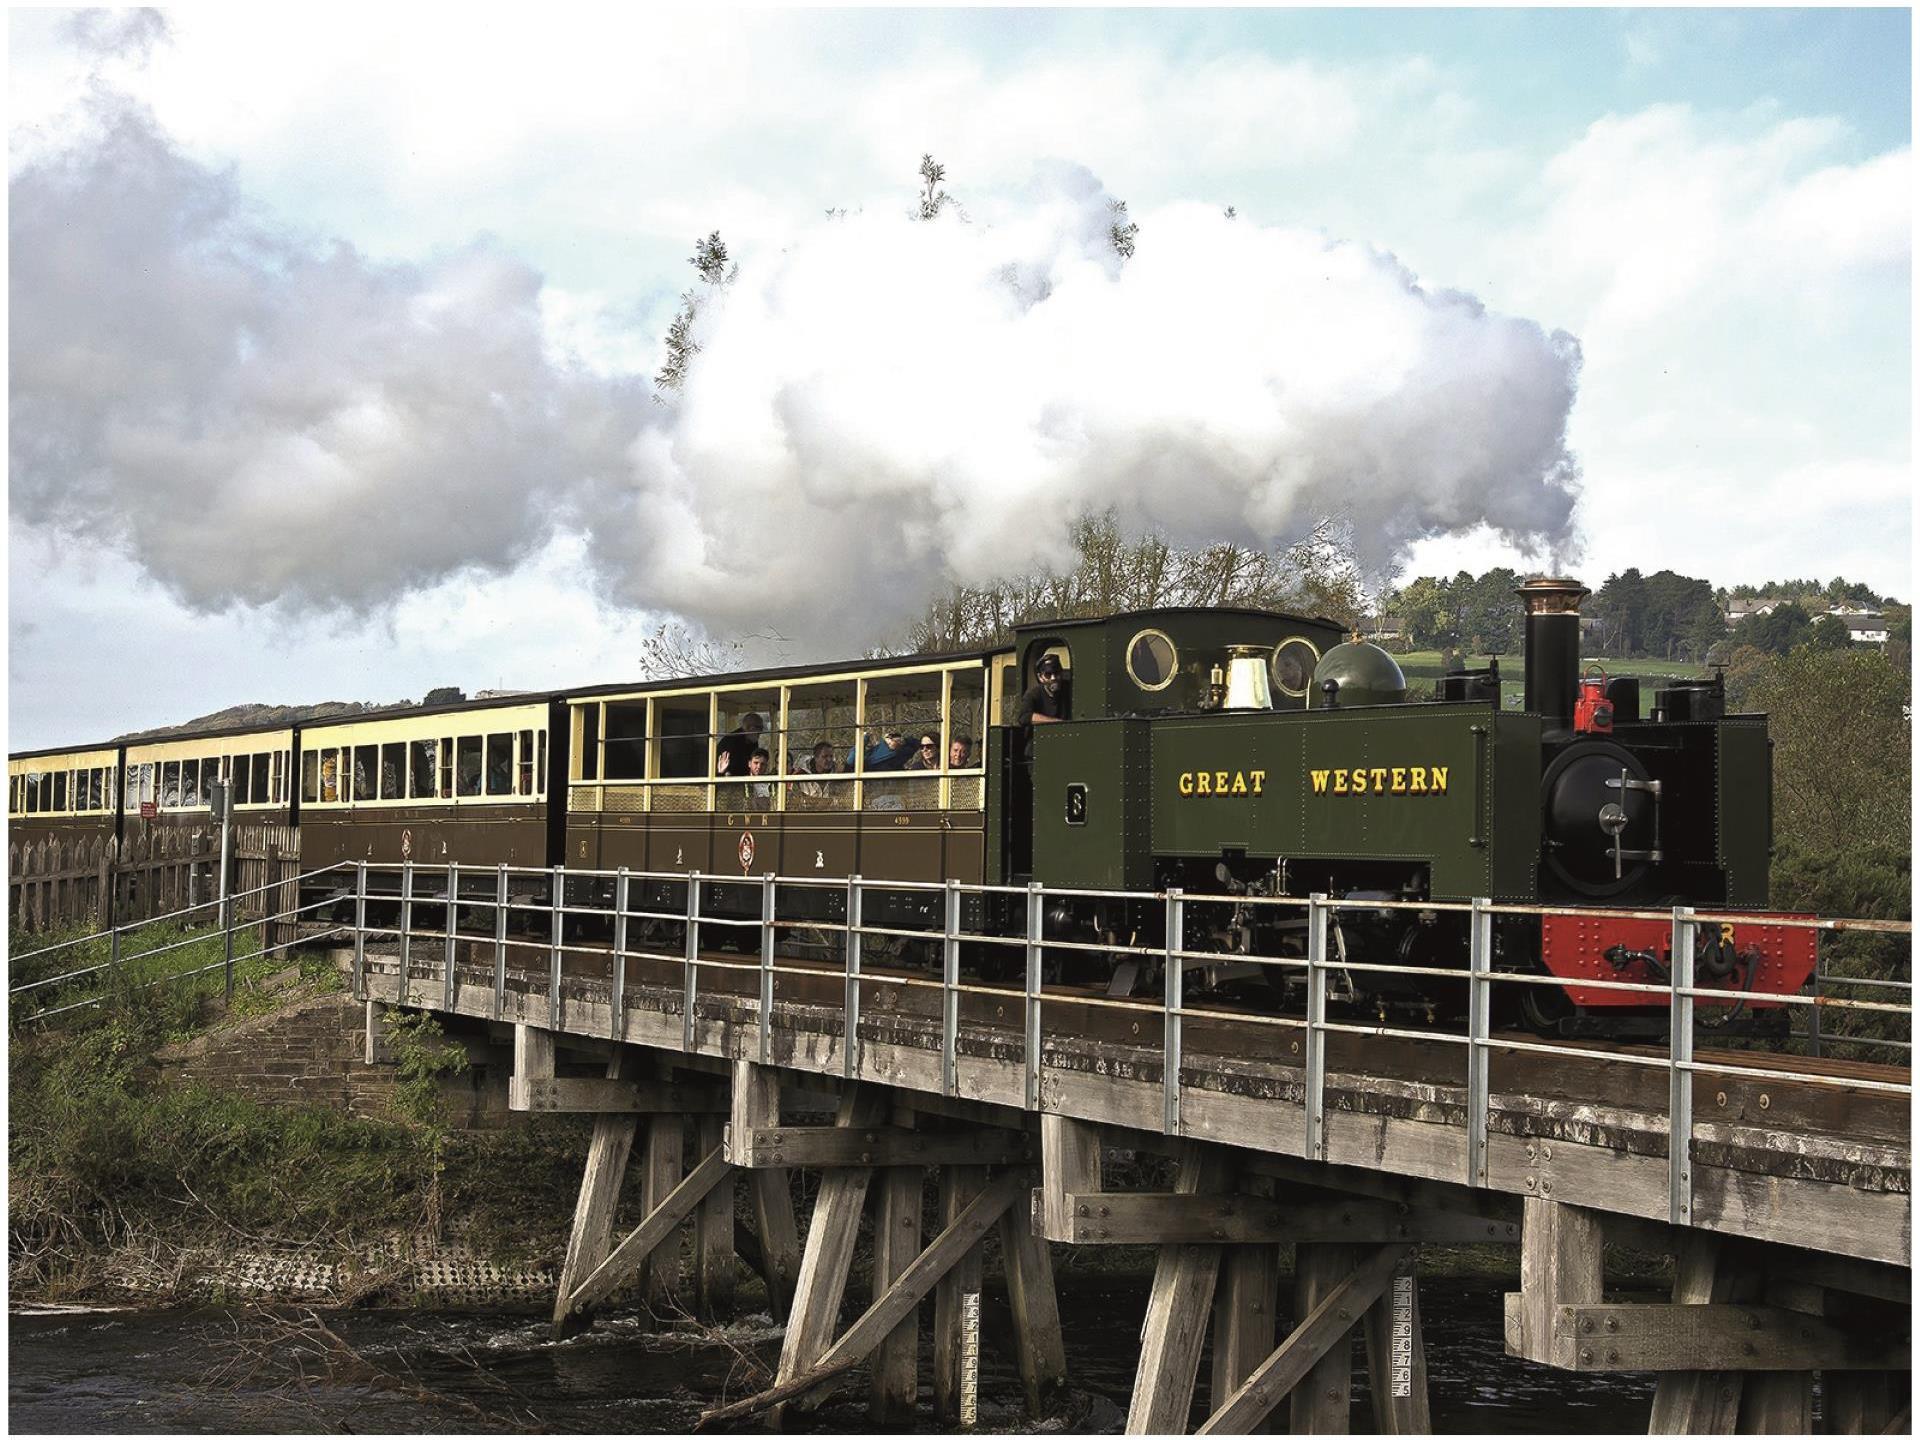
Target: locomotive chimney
[[1553, 648]]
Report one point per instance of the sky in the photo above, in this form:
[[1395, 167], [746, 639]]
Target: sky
[[332, 333]]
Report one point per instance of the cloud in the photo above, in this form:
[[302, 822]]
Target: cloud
[[879, 407], [1657, 213], [885, 406], [259, 419]]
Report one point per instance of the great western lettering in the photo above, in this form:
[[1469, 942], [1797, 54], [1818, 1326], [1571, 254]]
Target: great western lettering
[[1380, 780], [1222, 782]]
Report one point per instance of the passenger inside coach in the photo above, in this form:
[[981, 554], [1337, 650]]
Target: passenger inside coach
[[960, 753], [759, 793], [927, 757], [887, 754], [736, 748]]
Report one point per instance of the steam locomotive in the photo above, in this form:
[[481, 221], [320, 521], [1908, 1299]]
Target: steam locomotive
[[1230, 752], [1316, 771]]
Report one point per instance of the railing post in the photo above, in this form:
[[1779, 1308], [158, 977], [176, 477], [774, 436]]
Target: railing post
[[1813, 1010], [766, 968], [1036, 924], [1479, 1012], [850, 1057], [1316, 1056], [406, 927], [559, 898], [950, 994], [113, 956], [360, 930], [690, 978], [226, 877], [500, 945], [453, 924], [1680, 1073], [1171, 995], [617, 990]]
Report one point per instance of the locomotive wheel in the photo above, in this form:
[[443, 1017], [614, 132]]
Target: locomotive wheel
[[1546, 1009]]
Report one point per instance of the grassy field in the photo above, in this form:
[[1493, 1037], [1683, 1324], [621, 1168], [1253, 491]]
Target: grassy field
[[1423, 667]]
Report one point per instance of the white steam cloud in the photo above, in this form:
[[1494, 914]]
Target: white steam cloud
[[887, 405], [877, 409]]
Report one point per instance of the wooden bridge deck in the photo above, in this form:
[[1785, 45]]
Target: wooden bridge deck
[[1780, 1159]]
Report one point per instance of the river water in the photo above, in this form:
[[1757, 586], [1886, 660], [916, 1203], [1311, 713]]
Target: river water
[[238, 1371]]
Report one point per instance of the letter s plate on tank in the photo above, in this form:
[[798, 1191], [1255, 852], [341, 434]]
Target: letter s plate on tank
[[1076, 804]]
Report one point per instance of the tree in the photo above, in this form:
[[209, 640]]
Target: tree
[[1830, 632], [710, 262], [1121, 230], [445, 695], [1843, 749], [1776, 632], [1620, 606], [1426, 613], [676, 652], [1110, 572], [932, 198], [1488, 614]]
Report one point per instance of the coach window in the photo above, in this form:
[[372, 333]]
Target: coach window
[[423, 782], [309, 776], [909, 705], [330, 775], [258, 792], [586, 742], [469, 765], [169, 782], [738, 738], [821, 732], [241, 770], [625, 745], [393, 771], [279, 777], [684, 748], [540, 774], [500, 763], [446, 767], [189, 782], [524, 749], [366, 772], [59, 790]]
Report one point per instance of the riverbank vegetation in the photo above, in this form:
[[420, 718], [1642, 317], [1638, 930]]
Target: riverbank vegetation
[[119, 1178]]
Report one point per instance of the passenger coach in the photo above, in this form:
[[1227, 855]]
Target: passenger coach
[[462, 783], [646, 789]]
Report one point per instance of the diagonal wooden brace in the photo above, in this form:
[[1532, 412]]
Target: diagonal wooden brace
[[1322, 1328], [632, 1252], [895, 1303]]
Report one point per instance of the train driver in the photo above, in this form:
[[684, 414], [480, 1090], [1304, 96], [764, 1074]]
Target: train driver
[[1046, 701]]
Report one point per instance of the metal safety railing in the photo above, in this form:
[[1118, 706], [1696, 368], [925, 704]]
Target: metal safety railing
[[1322, 970], [114, 976]]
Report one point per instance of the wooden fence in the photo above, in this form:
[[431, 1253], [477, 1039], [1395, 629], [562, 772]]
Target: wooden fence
[[53, 884]]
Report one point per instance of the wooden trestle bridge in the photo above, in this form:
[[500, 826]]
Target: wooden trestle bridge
[[1780, 1183]]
